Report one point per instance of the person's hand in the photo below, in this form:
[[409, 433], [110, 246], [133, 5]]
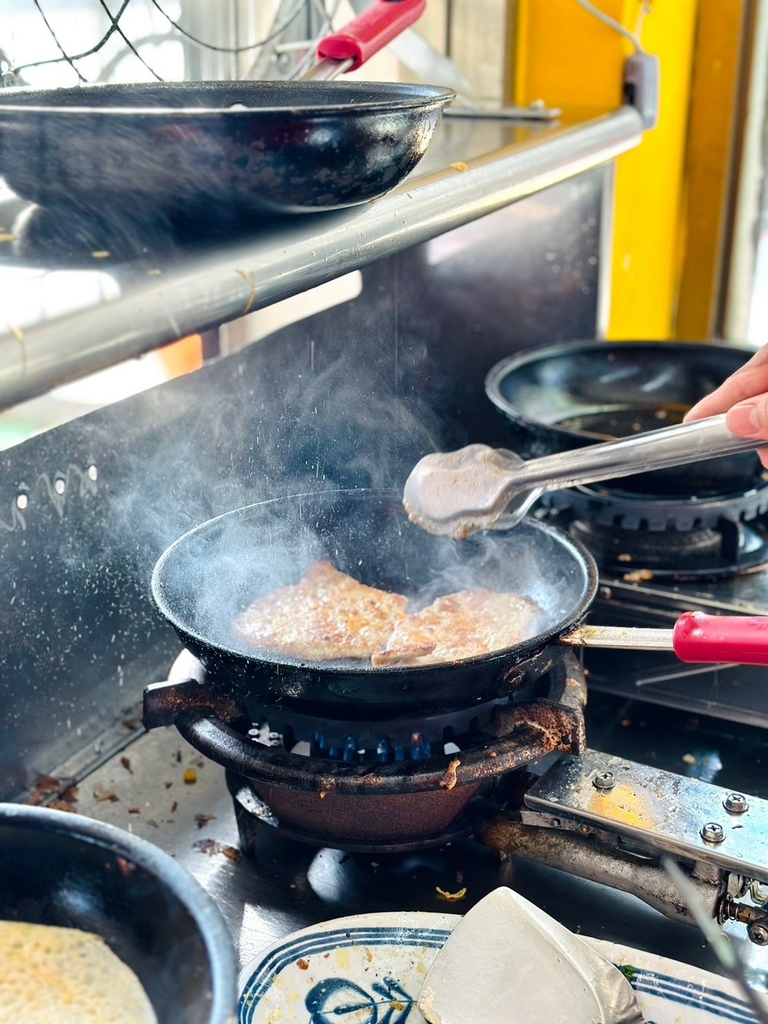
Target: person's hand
[[744, 397]]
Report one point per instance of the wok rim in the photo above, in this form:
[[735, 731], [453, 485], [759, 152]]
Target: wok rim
[[395, 96], [501, 370], [532, 646]]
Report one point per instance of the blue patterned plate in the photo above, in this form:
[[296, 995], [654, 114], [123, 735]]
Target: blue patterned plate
[[369, 969]]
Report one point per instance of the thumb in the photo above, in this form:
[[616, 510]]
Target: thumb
[[749, 418]]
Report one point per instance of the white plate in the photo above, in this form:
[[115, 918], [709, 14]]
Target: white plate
[[369, 969]]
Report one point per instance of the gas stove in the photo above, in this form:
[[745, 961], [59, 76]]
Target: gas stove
[[513, 773], [516, 777], [397, 784]]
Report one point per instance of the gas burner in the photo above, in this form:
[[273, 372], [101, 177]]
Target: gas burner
[[375, 804], [382, 741], [628, 510], [255, 821], [363, 741], [727, 550], [603, 818], [675, 538]]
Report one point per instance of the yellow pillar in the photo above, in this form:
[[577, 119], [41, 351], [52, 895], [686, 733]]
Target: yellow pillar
[[564, 55], [713, 138]]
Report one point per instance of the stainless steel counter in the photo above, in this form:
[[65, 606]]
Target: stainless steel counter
[[141, 288], [288, 886]]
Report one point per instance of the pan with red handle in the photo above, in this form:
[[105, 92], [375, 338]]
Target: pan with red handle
[[209, 575], [201, 149]]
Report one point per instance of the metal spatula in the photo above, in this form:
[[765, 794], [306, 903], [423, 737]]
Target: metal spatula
[[507, 960], [482, 488]]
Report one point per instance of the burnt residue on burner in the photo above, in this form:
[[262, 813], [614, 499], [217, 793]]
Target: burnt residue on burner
[[364, 805]]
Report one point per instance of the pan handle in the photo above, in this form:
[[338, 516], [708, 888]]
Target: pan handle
[[721, 639], [370, 32], [696, 638]]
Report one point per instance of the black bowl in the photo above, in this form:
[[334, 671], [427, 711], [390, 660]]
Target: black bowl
[[69, 871]]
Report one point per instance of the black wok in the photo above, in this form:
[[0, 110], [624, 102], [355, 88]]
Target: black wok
[[66, 870], [568, 396], [197, 150], [210, 574]]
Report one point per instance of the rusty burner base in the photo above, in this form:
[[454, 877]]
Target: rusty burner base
[[257, 823], [386, 806]]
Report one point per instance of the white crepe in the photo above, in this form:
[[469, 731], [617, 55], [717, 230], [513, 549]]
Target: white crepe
[[506, 960]]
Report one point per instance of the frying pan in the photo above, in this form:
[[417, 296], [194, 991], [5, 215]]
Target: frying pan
[[66, 870], [191, 149], [203, 580], [568, 396], [209, 575]]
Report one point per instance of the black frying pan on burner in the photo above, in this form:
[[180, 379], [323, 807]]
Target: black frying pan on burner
[[212, 573]]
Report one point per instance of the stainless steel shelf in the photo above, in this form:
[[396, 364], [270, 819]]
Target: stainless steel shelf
[[473, 167]]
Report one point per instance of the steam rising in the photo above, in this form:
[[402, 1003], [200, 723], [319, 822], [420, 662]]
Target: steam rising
[[216, 571], [296, 432]]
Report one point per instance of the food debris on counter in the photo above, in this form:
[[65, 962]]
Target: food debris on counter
[[100, 794], [59, 794], [451, 897], [201, 820], [211, 847]]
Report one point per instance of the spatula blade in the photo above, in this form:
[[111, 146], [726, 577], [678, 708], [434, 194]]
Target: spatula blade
[[507, 960]]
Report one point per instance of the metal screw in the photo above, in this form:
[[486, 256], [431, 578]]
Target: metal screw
[[712, 832], [604, 780], [758, 933], [736, 803]]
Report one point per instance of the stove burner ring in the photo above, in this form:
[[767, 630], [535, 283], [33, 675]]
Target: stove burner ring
[[368, 804], [623, 509], [417, 738]]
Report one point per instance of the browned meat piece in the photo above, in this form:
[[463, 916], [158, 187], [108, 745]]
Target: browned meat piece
[[326, 617], [461, 625]]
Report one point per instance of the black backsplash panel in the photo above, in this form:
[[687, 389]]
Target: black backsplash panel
[[350, 397]]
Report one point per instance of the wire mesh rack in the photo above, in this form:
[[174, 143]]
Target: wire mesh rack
[[48, 43]]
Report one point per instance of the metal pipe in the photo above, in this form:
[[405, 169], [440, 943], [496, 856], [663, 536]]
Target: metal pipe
[[588, 858], [209, 290]]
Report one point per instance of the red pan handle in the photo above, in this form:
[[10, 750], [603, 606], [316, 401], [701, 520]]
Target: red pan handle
[[371, 31], [701, 638]]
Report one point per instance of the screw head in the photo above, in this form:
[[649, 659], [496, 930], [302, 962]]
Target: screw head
[[604, 780], [711, 832], [758, 933], [736, 803]]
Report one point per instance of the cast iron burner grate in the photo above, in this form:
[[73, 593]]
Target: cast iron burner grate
[[676, 537], [382, 741], [373, 805]]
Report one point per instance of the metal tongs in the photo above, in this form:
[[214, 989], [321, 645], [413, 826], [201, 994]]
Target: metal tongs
[[482, 488]]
